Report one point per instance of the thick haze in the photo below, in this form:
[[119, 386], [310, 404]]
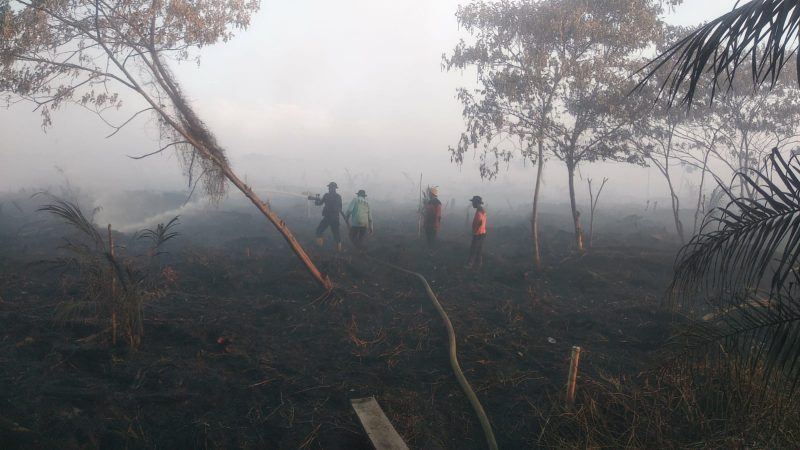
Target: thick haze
[[312, 89]]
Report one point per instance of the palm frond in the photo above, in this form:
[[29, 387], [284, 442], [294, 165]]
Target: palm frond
[[763, 33], [760, 337], [748, 245], [743, 267], [73, 215]]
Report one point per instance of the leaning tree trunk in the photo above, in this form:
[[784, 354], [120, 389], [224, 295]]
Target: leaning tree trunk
[[323, 280], [576, 216], [281, 226], [191, 128], [537, 255]]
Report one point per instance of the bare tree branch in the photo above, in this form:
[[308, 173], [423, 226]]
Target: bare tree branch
[[171, 144]]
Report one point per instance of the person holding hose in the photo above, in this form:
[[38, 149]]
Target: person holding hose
[[359, 216], [332, 207], [478, 233]]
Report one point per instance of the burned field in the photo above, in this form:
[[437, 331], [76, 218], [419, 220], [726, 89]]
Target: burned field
[[239, 351]]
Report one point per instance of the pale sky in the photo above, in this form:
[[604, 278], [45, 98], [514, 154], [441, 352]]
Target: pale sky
[[314, 87]]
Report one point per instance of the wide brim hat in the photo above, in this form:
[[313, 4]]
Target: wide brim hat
[[333, 185], [361, 193], [476, 198]]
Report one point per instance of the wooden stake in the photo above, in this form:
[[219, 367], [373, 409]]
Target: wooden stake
[[573, 375]]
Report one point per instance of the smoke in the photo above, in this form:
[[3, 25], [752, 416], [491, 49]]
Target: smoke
[[277, 192], [192, 208]]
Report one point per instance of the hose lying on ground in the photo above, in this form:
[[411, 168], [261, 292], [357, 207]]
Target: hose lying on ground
[[465, 386]]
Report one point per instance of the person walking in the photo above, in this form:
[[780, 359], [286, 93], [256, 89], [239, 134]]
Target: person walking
[[331, 209], [359, 216], [478, 233], [432, 215]]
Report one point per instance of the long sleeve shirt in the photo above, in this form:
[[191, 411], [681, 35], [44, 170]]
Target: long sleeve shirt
[[433, 214], [359, 213], [332, 205]]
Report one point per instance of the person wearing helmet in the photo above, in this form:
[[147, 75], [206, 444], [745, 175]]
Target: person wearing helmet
[[331, 209], [478, 233], [432, 215], [359, 216]]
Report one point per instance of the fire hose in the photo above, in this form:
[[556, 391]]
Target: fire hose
[[462, 380]]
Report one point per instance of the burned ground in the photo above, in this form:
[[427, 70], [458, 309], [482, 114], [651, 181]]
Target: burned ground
[[241, 352]]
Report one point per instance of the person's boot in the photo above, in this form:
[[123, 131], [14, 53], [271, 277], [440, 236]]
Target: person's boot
[[320, 241]]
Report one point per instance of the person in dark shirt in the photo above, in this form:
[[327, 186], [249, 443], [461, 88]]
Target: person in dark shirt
[[331, 209]]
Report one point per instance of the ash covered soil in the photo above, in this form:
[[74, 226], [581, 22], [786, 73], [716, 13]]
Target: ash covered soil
[[241, 352]]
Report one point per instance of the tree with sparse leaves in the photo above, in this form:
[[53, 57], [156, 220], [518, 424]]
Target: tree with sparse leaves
[[753, 122], [659, 135], [90, 52], [734, 134], [656, 138], [552, 76]]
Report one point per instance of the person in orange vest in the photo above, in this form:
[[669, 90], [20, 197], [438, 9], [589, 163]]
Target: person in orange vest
[[478, 233]]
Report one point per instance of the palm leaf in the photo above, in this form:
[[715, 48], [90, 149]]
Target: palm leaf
[[73, 215], [761, 337], [748, 245], [761, 33], [743, 266], [160, 234]]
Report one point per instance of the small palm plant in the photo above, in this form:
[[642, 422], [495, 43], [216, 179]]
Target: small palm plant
[[742, 273], [113, 287], [158, 236]]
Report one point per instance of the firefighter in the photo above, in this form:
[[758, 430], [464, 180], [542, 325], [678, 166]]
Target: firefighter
[[478, 233], [331, 209], [432, 215], [359, 216]]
